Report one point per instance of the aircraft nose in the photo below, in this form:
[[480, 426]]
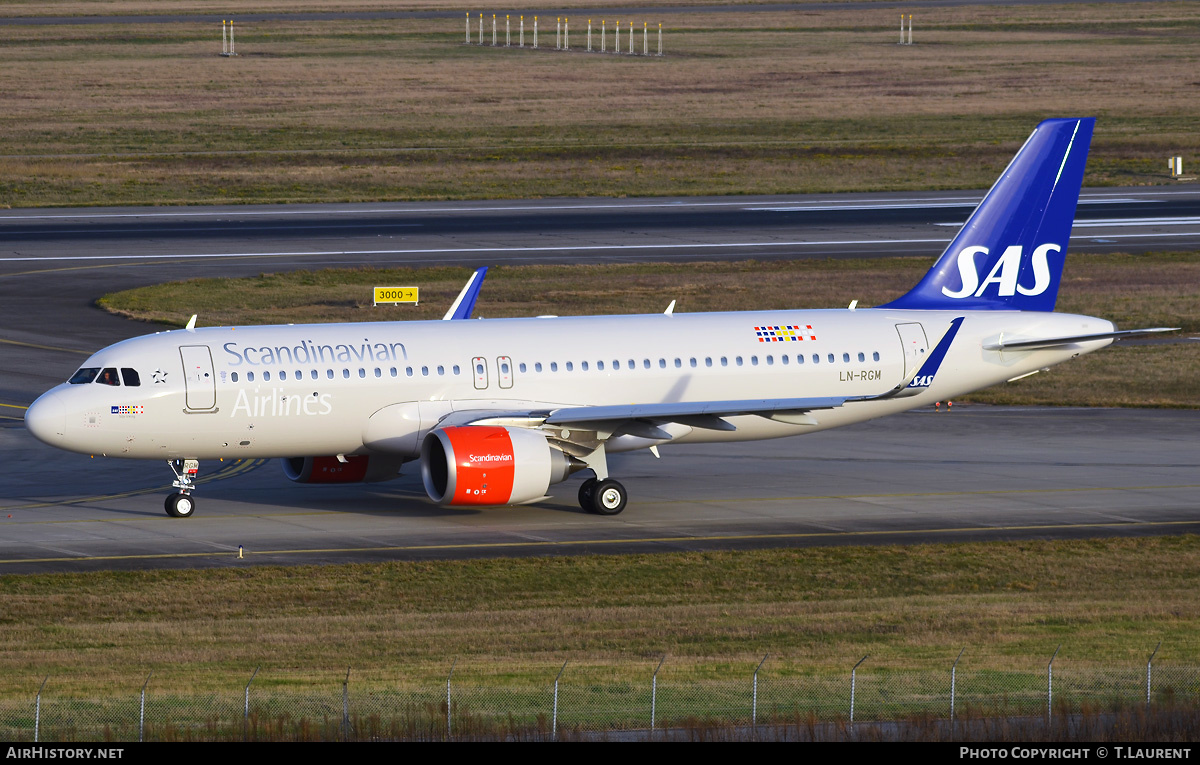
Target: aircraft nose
[[46, 419]]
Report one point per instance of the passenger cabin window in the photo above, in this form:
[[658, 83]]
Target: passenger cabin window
[[84, 375], [130, 377]]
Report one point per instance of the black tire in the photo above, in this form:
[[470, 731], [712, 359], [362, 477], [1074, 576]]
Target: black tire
[[609, 498], [180, 505], [586, 490]]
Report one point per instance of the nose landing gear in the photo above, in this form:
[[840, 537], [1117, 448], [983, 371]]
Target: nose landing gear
[[182, 504]]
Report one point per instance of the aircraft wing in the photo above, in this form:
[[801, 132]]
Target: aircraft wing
[[703, 414], [1030, 344], [645, 419]]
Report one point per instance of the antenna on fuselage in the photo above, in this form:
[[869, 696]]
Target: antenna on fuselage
[[191, 325]]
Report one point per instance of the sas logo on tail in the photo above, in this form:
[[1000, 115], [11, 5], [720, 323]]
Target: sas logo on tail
[[1004, 273], [921, 381]]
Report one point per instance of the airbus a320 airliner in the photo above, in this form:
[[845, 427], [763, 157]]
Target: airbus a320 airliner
[[497, 411]]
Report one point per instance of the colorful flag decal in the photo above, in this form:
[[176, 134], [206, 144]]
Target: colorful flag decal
[[788, 333]]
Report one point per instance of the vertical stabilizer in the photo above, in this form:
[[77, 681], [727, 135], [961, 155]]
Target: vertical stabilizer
[[1009, 255]]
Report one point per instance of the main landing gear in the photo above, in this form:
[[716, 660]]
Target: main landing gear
[[182, 504], [607, 497]]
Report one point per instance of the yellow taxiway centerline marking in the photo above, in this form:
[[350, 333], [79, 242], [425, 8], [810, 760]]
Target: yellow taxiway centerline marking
[[44, 347], [582, 542]]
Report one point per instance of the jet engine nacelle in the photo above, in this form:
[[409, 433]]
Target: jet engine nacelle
[[489, 465], [359, 468]]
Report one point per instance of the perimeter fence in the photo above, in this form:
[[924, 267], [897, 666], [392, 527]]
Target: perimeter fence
[[503, 700]]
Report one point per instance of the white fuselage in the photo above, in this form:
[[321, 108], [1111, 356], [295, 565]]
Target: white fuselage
[[308, 390]]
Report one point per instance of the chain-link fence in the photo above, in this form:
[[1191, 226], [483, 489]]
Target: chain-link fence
[[542, 703]]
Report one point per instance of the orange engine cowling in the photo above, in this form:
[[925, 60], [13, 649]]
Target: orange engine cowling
[[487, 465], [359, 468]]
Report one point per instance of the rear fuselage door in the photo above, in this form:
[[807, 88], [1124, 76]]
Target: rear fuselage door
[[198, 377], [916, 346]]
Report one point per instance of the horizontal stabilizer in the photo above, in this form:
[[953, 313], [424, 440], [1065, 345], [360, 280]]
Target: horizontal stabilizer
[[1028, 344]]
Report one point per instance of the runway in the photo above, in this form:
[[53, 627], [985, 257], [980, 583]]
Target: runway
[[975, 473]]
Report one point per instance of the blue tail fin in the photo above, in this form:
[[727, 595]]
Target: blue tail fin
[[1009, 255]]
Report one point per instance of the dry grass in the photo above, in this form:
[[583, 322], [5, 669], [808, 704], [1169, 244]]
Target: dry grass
[[130, 7], [813, 610], [1157, 289], [755, 102]]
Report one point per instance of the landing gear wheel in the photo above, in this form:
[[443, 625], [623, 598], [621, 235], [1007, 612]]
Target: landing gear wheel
[[609, 498], [180, 505], [586, 494]]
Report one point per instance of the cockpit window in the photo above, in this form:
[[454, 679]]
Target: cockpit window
[[130, 377], [109, 377], [84, 375]]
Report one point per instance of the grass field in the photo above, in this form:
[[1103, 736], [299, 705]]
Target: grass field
[[816, 611], [1152, 290], [743, 102]]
